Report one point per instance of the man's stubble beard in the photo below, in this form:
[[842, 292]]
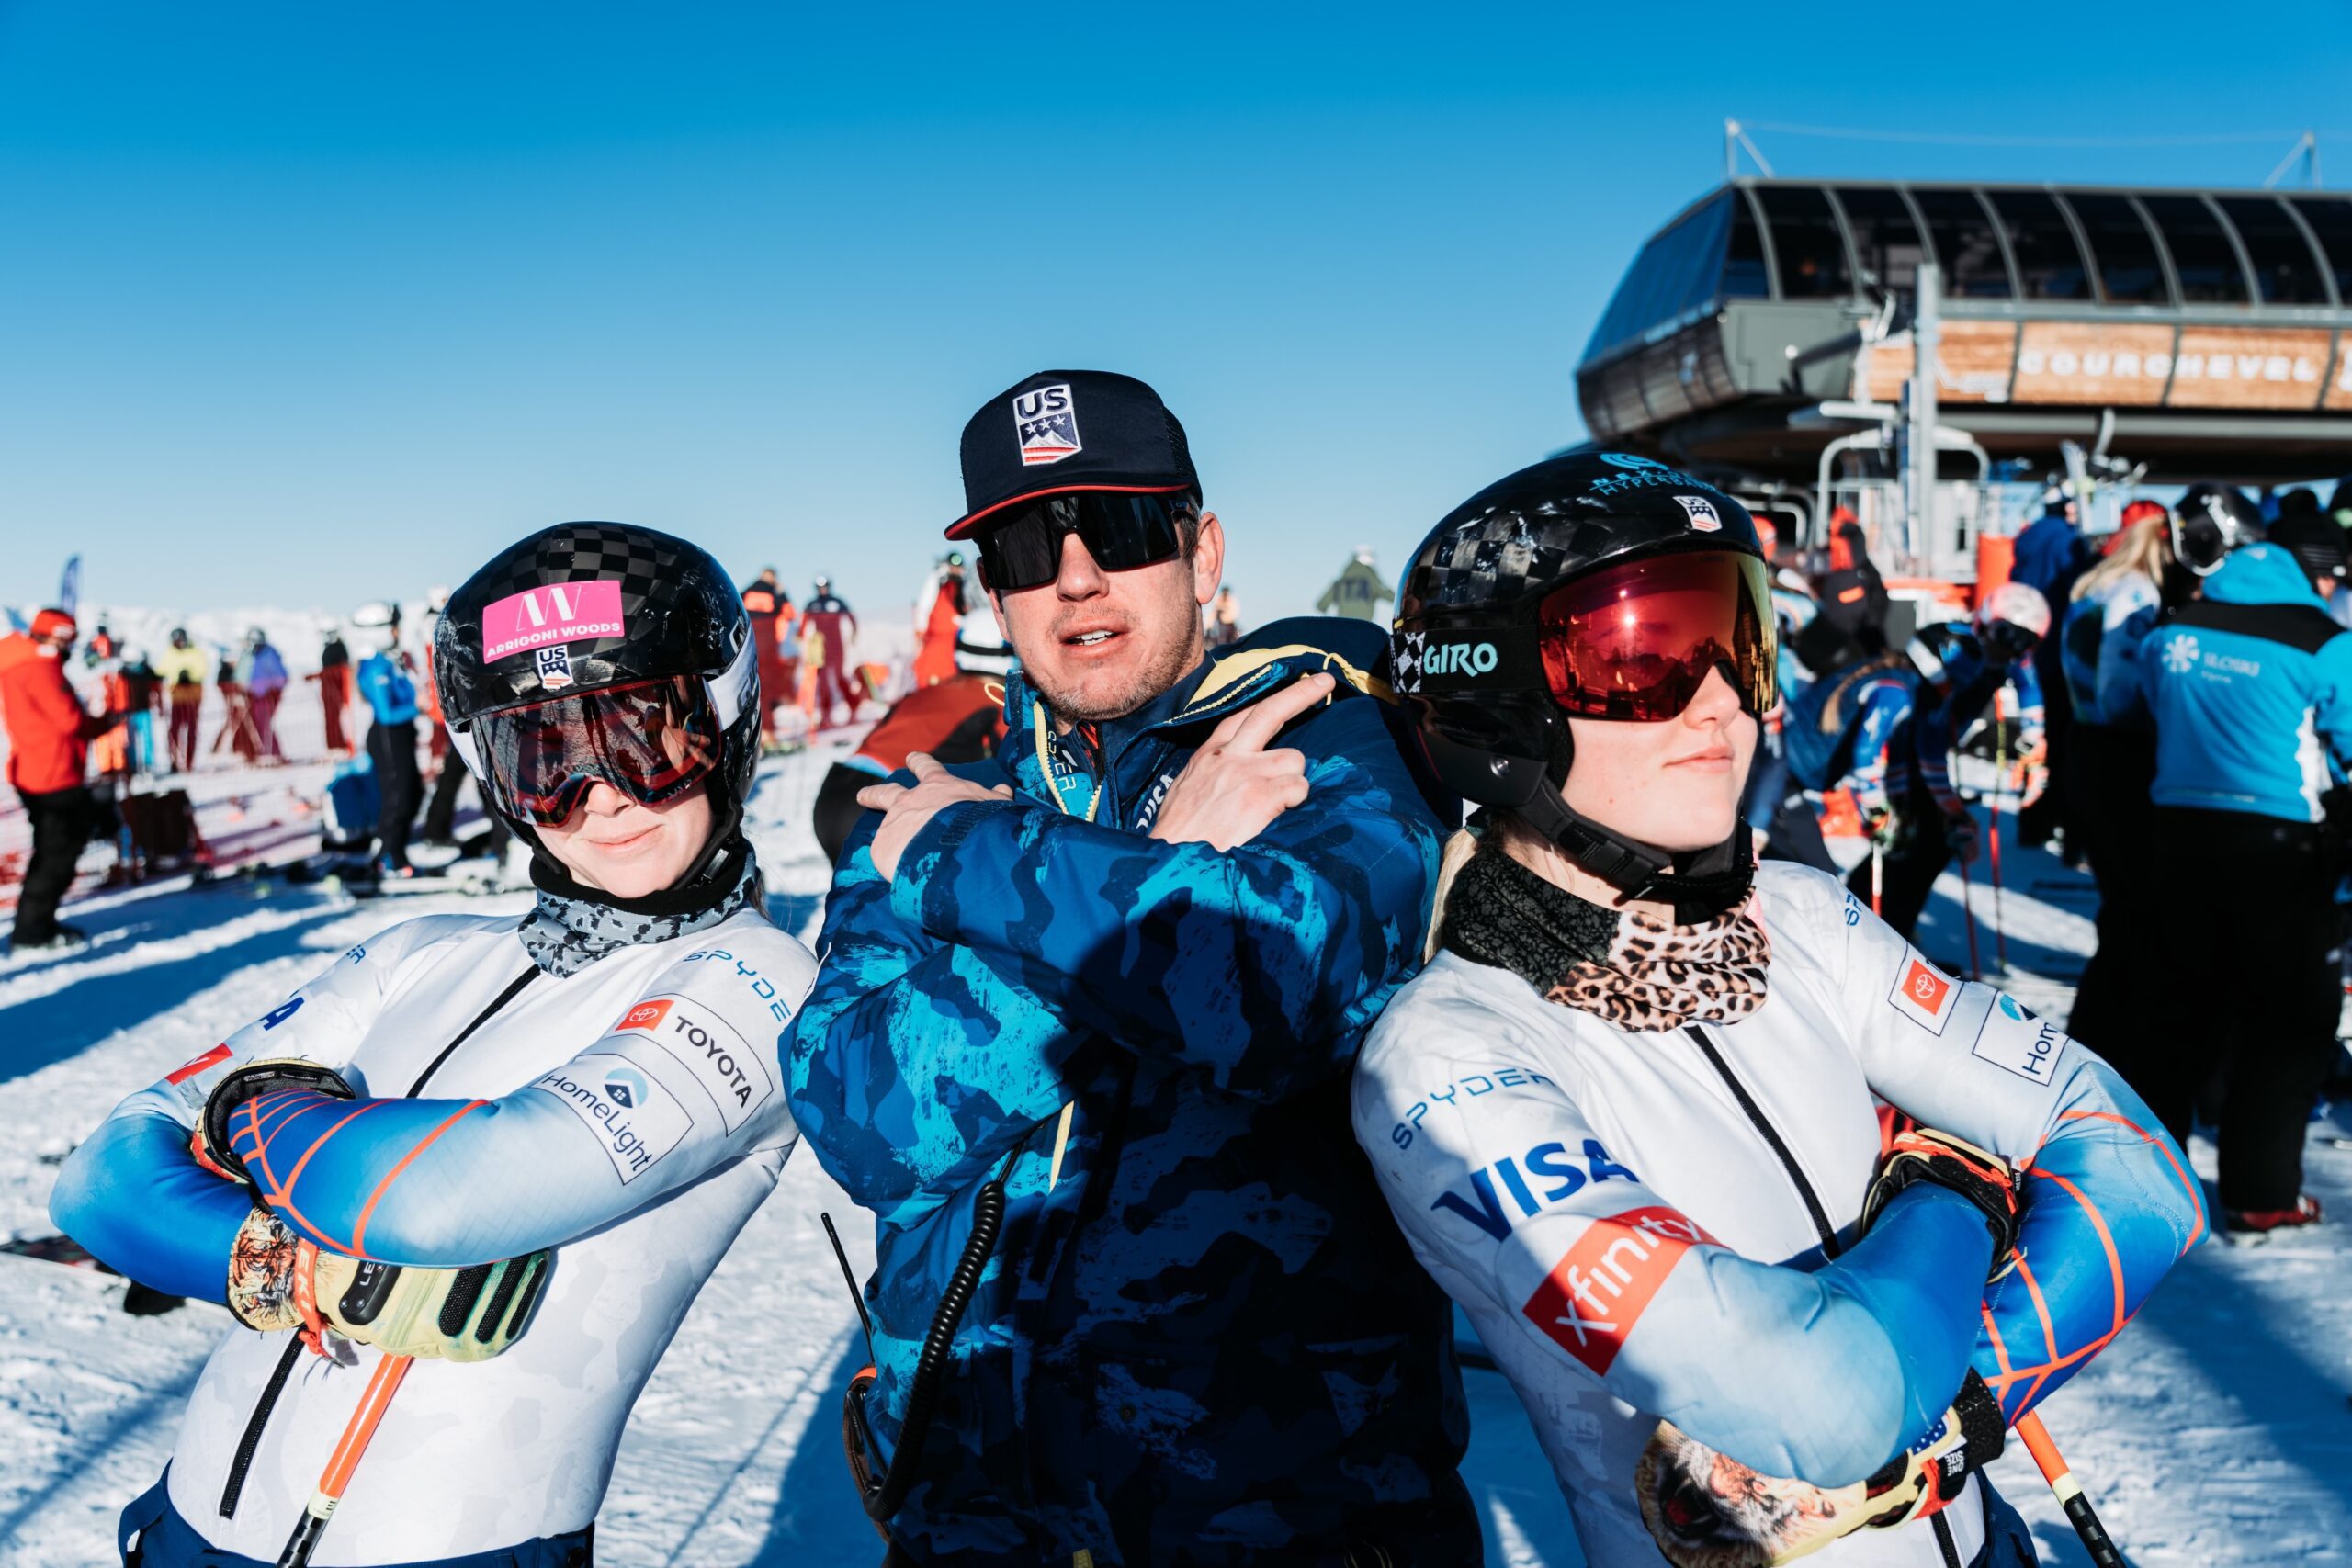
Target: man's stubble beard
[[1164, 671]]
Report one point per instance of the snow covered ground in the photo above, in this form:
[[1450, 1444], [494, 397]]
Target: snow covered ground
[[2215, 1430]]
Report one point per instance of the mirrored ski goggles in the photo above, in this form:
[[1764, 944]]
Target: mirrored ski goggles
[[1121, 532], [1629, 642], [1638, 642], [652, 741]]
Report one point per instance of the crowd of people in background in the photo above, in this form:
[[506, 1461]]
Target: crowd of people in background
[[2167, 704]]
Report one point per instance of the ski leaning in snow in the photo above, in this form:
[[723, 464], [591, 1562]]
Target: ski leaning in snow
[[606, 1111], [64, 1252]]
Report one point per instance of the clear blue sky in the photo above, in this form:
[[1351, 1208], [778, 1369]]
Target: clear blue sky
[[304, 304]]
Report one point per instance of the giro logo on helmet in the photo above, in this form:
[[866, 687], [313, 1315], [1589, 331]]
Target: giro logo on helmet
[[562, 611], [1459, 659]]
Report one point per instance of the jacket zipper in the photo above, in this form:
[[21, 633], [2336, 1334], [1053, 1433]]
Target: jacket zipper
[[1820, 1216], [251, 1441]]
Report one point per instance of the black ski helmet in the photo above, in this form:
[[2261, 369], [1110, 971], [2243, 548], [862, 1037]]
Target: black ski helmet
[[2208, 522], [1500, 740], [672, 611]]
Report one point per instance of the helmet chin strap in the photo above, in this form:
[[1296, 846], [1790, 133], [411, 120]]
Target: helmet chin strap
[[1699, 885]]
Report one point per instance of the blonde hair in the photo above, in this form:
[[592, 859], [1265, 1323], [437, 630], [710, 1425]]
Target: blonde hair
[[2144, 550], [1458, 850]]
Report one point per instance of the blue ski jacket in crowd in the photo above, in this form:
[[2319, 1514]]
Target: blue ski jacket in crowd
[[2046, 551], [2251, 684], [1201, 1339], [387, 690]]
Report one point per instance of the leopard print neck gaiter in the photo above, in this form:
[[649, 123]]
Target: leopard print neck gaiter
[[1634, 972]]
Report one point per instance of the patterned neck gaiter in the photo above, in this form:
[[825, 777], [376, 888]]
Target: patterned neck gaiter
[[573, 927], [1633, 973]]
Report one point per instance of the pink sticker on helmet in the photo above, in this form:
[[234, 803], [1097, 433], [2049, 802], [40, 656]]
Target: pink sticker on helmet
[[562, 611]]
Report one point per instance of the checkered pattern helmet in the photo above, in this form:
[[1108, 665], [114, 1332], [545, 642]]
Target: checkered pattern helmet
[[1495, 558], [679, 615]]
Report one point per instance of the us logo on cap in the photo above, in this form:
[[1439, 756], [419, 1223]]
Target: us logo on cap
[[555, 668], [1048, 424]]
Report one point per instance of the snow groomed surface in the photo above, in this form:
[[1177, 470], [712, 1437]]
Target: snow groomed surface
[[2215, 1431]]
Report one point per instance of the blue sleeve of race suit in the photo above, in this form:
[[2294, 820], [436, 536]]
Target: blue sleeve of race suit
[[2107, 1202], [1822, 1372], [682, 1082], [130, 1173]]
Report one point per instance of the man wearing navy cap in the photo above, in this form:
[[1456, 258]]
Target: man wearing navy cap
[[1107, 986]]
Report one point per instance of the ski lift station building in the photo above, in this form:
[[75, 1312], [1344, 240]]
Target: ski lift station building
[[1765, 335]]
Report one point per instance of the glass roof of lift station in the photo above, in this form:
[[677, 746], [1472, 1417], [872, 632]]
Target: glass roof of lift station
[[2008, 250]]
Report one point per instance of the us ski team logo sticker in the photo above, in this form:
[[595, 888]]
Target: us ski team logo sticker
[[1048, 424], [1595, 1295], [555, 668], [1924, 995], [1704, 518]]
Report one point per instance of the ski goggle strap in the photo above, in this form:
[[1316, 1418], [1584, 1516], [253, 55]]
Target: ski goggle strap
[[1632, 642], [652, 741], [1120, 531]]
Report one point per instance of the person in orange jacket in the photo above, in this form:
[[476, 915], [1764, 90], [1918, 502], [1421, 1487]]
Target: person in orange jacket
[[49, 737], [935, 650]]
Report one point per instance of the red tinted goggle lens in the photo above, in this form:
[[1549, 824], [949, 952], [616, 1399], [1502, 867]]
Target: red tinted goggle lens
[[1638, 642], [652, 741]]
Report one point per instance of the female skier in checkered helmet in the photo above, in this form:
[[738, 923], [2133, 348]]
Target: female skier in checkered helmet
[[1631, 1116], [512, 1147]]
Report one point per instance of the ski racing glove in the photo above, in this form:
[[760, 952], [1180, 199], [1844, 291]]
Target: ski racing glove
[[1921, 1153], [277, 1280], [1706, 1509], [228, 1132]]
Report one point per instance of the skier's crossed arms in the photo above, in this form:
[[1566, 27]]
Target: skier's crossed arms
[[431, 1183], [1511, 1165]]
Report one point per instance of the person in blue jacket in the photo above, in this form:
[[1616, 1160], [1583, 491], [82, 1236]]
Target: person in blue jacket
[[391, 694], [2251, 686], [2049, 549], [1080, 1040]]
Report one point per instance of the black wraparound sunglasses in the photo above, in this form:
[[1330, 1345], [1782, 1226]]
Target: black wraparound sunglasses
[[1120, 531]]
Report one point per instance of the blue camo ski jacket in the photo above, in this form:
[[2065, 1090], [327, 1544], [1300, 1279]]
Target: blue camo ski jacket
[[1201, 1339], [2251, 684]]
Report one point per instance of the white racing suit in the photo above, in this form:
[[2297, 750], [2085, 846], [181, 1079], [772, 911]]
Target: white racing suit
[[1611, 1211], [630, 1116]]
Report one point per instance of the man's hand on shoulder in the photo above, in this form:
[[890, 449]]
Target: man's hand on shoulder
[[1233, 787], [906, 810]]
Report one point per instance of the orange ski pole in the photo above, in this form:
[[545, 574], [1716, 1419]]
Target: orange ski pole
[[2069, 1492], [373, 1402]]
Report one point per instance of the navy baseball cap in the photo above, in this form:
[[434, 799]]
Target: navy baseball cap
[[1061, 431]]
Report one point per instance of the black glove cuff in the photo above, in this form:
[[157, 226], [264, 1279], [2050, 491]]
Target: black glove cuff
[[1897, 1176], [1983, 1431], [251, 1082]]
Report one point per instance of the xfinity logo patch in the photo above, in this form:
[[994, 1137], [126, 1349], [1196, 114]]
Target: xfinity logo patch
[[1459, 659]]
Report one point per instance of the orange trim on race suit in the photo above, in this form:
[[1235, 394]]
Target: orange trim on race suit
[[360, 1231]]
